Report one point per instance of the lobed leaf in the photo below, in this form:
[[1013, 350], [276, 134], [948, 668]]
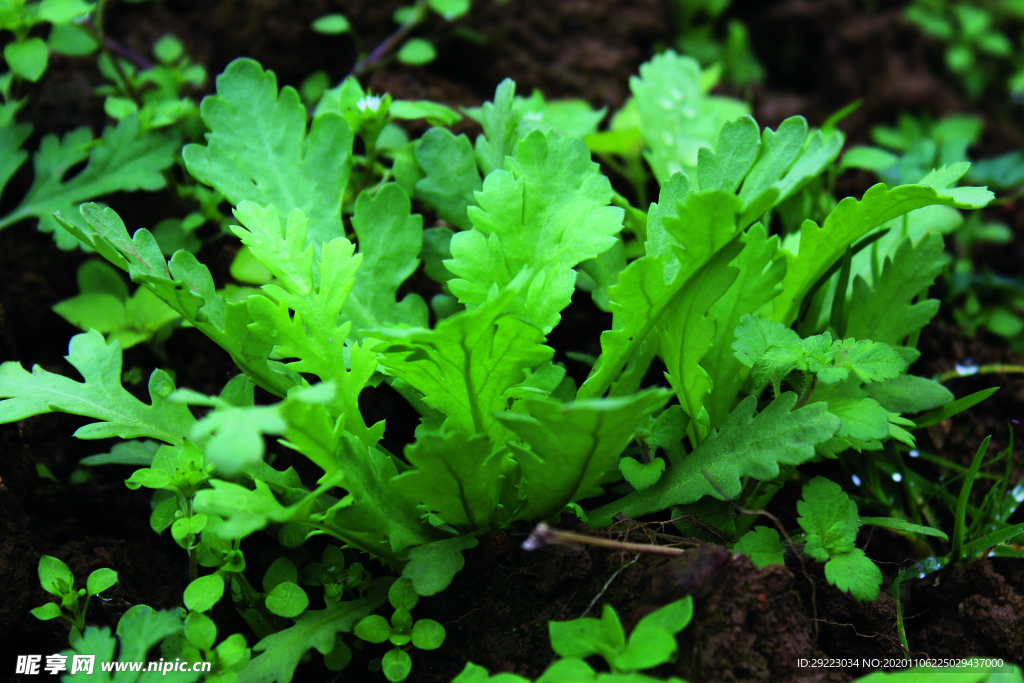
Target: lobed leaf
[[747, 445], [547, 211], [100, 396], [258, 149], [123, 160]]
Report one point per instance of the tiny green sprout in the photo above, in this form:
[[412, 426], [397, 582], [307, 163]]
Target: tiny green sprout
[[56, 579], [424, 634], [651, 643]]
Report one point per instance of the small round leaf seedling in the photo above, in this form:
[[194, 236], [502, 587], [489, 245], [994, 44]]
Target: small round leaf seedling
[[287, 600], [427, 634], [396, 665], [373, 629]]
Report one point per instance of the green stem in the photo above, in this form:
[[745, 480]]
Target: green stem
[[994, 369]]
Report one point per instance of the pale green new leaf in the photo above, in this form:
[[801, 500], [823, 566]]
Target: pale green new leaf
[[677, 117], [760, 275], [467, 362], [761, 545], [829, 517], [123, 160], [854, 572], [787, 160], [259, 150], [450, 177], [548, 211], [887, 312], [281, 652], [390, 239], [100, 396], [458, 476], [313, 334], [573, 445], [500, 121], [820, 247], [747, 445]]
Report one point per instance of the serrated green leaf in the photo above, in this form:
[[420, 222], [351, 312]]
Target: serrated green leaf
[[372, 506], [887, 312], [829, 517], [788, 159], [100, 396], [500, 121], [467, 362], [761, 545], [677, 118], [259, 150], [124, 160], [390, 239], [572, 446], [855, 573], [747, 445], [548, 211], [313, 334], [861, 418], [725, 167], [848, 222], [687, 332], [282, 651], [454, 461], [649, 286], [450, 177]]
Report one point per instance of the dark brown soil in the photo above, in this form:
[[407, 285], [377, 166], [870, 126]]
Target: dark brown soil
[[749, 625]]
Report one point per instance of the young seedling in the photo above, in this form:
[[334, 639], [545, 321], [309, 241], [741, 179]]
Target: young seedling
[[425, 634], [56, 579]]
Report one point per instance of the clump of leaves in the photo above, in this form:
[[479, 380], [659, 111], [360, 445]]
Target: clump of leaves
[[504, 433]]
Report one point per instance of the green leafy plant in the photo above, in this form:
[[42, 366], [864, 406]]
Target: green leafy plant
[[652, 642], [56, 579], [978, 48], [504, 434]]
